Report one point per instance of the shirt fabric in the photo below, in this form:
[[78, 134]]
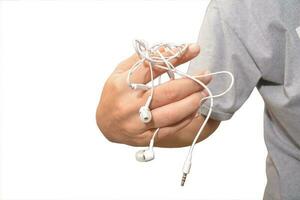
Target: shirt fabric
[[258, 42]]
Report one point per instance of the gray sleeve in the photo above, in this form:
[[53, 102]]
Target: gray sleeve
[[223, 49]]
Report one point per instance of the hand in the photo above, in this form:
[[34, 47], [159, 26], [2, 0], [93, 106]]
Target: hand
[[173, 106]]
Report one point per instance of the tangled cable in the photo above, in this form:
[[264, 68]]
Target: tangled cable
[[155, 59]]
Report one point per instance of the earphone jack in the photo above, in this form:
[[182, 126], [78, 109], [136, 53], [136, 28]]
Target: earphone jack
[[183, 178]]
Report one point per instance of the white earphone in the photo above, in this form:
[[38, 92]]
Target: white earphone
[[156, 59], [145, 114], [146, 155]]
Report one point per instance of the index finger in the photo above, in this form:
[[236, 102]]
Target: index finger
[[143, 75], [176, 90]]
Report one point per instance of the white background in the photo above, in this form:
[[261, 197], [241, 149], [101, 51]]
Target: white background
[[55, 57]]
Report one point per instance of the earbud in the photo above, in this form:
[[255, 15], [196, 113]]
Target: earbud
[[138, 86], [144, 155], [145, 114], [147, 154]]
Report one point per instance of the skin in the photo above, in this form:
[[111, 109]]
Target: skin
[[174, 106]]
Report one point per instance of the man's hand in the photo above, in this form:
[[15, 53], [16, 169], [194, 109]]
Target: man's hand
[[173, 106]]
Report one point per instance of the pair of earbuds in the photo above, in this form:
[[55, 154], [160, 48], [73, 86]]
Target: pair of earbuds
[[145, 115], [155, 59]]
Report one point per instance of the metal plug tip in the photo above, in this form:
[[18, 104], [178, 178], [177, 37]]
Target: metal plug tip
[[183, 179]]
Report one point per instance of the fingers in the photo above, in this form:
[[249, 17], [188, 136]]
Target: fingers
[[144, 138], [143, 75], [174, 136], [175, 112], [186, 137], [164, 132], [172, 102], [175, 90]]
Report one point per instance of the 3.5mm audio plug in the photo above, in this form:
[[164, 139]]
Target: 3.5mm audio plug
[[183, 178], [186, 168]]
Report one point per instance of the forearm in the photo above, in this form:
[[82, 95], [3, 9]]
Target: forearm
[[185, 136]]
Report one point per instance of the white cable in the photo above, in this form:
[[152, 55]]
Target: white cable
[[187, 163], [156, 59], [153, 138]]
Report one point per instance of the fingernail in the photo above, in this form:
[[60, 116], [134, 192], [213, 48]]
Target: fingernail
[[204, 93], [194, 47]]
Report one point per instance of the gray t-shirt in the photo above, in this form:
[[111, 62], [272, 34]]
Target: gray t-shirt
[[257, 41]]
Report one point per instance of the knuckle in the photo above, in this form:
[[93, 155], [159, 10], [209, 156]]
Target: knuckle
[[145, 138], [120, 110], [127, 118], [114, 85], [129, 127], [170, 93], [195, 100], [164, 132]]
